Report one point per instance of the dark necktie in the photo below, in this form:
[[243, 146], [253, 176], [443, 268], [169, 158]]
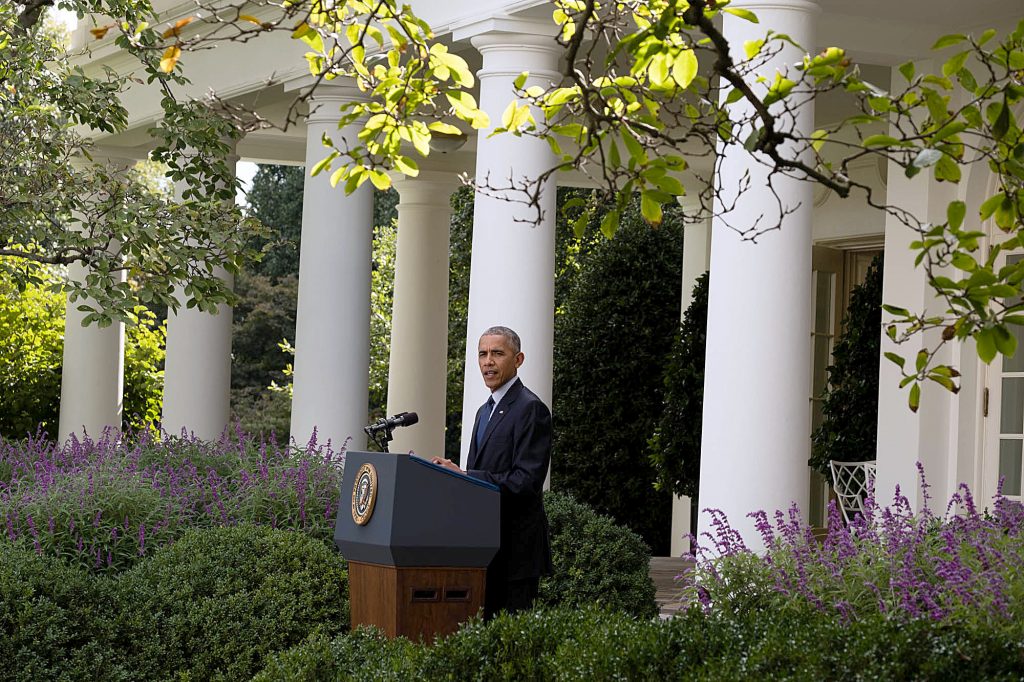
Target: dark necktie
[[484, 418]]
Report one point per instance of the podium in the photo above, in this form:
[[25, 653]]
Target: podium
[[418, 539]]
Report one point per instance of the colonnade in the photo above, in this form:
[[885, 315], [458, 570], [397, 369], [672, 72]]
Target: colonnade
[[756, 417]]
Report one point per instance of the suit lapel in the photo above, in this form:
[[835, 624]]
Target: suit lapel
[[500, 410]]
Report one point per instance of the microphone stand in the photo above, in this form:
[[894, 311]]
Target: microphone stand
[[381, 436]]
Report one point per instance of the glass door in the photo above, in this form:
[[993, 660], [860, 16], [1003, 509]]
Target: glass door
[[1004, 427]]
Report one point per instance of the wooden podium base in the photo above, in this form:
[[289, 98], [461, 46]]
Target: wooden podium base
[[414, 602]]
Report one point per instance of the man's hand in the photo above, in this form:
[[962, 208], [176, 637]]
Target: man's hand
[[446, 463]]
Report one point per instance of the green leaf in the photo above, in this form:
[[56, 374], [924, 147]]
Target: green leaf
[[650, 208], [684, 68], [745, 14], [819, 137], [964, 262], [989, 206], [1006, 343], [914, 400], [947, 169], [953, 65], [948, 40], [752, 47], [986, 345], [908, 69], [955, 213], [895, 358], [880, 141], [610, 224]]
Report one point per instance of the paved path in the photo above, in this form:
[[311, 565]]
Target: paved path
[[664, 571]]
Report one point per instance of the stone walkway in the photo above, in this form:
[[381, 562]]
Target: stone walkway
[[664, 571]]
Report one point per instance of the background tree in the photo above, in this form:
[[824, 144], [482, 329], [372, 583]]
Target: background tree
[[610, 349], [675, 446], [31, 357], [275, 199], [849, 427], [267, 290]]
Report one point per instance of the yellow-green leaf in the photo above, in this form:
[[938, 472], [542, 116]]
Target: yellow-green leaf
[[380, 180], [684, 68], [742, 14]]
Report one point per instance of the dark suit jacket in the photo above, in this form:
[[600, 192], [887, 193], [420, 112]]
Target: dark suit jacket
[[514, 455]]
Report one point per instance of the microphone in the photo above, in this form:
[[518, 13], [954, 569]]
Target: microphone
[[391, 423]]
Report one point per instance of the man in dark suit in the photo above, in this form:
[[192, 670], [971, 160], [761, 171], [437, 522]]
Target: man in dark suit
[[511, 448]]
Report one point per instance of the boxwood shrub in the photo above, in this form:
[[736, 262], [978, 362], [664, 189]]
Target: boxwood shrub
[[215, 603], [796, 642], [596, 561], [55, 620]]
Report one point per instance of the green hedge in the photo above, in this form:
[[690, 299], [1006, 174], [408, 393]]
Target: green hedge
[[54, 620], [596, 561], [216, 602], [798, 643], [212, 606]]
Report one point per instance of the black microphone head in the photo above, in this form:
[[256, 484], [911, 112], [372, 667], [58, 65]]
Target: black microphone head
[[410, 418]]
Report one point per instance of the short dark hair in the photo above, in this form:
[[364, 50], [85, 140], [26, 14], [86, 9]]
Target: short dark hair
[[510, 336]]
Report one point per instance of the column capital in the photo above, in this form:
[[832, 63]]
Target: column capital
[[327, 100], [811, 6], [510, 46], [429, 187]]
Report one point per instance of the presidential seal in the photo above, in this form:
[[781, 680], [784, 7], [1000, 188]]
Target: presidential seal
[[364, 494]]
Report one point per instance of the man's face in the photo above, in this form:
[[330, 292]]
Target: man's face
[[498, 363]]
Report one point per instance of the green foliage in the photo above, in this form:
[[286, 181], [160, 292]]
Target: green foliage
[[217, 602], [263, 317], [55, 620], [460, 250], [610, 347], [675, 446], [144, 350], [63, 206], [382, 297], [849, 428], [596, 561], [212, 606], [796, 643], [32, 324], [275, 199]]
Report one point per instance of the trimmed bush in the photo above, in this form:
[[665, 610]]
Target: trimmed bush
[[611, 344], [675, 445], [792, 643], [55, 620], [217, 602], [596, 561]]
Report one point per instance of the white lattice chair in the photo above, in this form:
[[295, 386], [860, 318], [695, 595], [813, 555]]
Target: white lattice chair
[[852, 481]]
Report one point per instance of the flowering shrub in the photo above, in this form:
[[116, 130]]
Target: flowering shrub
[[967, 566], [104, 504]]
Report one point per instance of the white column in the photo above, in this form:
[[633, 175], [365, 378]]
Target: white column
[[756, 430], [417, 372], [332, 326], [696, 258], [512, 273], [197, 369], [906, 437], [92, 372]]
